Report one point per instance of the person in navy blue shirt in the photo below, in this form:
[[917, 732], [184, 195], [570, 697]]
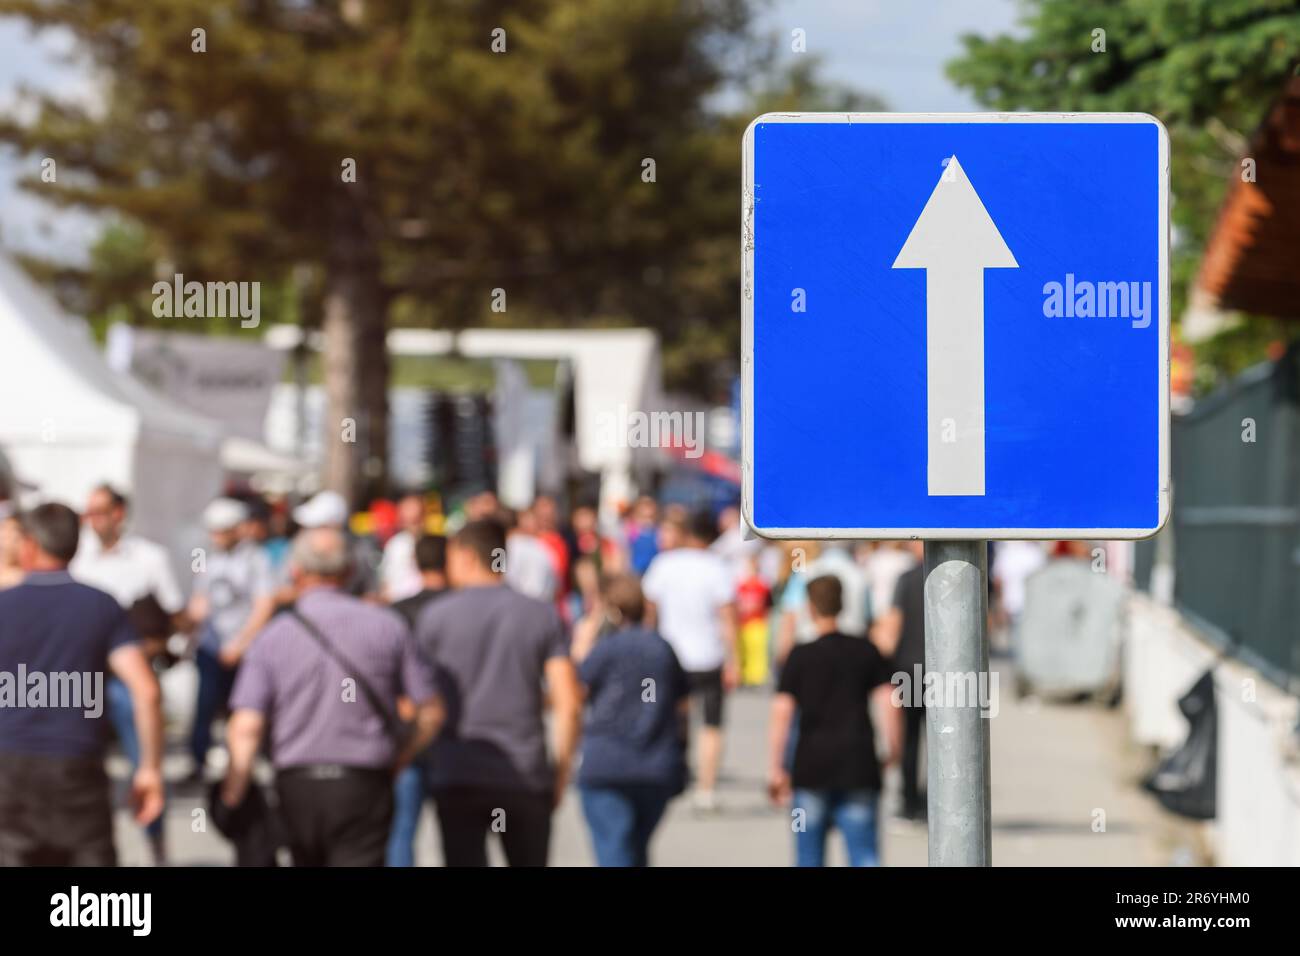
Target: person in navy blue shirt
[[634, 741], [57, 638]]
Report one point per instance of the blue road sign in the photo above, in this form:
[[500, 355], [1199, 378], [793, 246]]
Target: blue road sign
[[956, 326]]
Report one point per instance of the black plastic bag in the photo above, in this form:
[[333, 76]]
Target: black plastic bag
[[1184, 782], [252, 827]]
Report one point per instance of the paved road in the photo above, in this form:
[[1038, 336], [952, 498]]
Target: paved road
[[1057, 770]]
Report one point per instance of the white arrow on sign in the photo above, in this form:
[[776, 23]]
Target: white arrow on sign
[[954, 241]]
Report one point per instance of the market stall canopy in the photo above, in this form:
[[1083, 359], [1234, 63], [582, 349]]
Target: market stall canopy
[[616, 375], [270, 470]]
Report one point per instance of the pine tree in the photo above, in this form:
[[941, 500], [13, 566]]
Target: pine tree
[[420, 161]]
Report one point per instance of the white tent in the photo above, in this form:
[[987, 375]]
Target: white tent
[[69, 422], [616, 372]]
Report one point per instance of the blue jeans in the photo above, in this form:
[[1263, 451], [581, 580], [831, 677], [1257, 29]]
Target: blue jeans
[[121, 714], [852, 812], [621, 820], [215, 683], [408, 800]]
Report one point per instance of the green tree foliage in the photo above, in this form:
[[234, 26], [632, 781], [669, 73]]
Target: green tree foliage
[[1209, 69], [498, 144]]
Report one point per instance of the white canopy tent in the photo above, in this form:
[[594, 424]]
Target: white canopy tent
[[69, 422], [616, 372]]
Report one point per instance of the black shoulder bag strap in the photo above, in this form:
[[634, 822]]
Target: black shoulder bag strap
[[395, 728]]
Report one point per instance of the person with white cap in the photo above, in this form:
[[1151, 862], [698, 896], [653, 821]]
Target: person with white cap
[[329, 509], [325, 509], [233, 598]]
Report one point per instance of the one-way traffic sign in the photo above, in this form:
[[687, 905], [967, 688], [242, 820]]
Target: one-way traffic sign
[[955, 326]]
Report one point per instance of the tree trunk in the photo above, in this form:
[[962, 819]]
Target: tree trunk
[[355, 355]]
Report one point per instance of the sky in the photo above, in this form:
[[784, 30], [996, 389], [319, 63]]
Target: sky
[[39, 61], [895, 49]]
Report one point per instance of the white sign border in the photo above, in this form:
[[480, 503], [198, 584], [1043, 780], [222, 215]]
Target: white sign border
[[747, 240]]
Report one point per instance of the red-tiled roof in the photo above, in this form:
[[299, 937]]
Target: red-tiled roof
[[1252, 261]]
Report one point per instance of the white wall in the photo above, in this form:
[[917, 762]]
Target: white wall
[[1162, 659], [1258, 774], [1259, 771]]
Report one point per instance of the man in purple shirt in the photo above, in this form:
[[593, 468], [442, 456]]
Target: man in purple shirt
[[325, 678]]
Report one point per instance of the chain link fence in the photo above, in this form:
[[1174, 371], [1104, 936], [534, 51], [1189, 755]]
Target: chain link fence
[[1235, 531]]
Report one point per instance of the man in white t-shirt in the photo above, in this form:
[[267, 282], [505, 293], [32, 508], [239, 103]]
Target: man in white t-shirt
[[883, 566], [528, 568], [399, 578], [1013, 563], [732, 545], [691, 593], [126, 566]]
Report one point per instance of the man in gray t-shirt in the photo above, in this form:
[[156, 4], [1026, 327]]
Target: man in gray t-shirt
[[233, 598], [491, 649]]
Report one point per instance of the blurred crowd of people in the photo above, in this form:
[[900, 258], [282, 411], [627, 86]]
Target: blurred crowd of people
[[485, 660]]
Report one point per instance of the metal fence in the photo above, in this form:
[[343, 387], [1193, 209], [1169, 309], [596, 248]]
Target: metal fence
[[1236, 518]]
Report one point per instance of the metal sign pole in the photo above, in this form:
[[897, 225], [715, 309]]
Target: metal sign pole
[[957, 736]]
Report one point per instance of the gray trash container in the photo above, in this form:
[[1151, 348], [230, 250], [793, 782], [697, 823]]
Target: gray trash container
[[1068, 639]]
